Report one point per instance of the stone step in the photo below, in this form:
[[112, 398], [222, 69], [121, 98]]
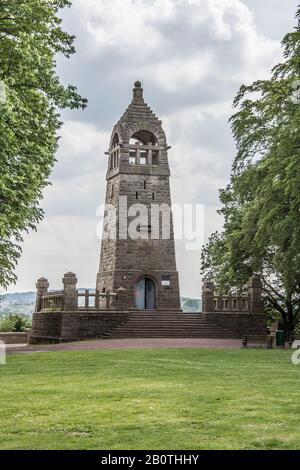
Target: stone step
[[177, 333], [168, 324]]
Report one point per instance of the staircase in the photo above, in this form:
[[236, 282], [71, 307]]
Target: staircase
[[161, 324]]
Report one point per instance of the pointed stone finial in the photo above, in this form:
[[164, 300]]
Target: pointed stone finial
[[138, 92]]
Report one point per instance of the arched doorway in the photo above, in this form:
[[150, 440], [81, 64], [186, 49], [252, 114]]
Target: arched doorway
[[145, 294]]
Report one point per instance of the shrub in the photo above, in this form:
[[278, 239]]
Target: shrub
[[13, 322]]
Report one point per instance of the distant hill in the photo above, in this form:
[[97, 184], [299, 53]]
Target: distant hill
[[191, 305], [23, 303], [19, 302]]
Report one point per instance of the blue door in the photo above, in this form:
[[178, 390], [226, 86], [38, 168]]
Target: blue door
[[145, 294]]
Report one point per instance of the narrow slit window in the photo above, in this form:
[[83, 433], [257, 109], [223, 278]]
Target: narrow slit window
[[145, 184], [136, 195]]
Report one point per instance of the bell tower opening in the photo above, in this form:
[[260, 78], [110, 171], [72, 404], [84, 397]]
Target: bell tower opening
[[143, 148]]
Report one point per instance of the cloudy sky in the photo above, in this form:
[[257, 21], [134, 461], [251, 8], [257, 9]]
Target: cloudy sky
[[192, 56]]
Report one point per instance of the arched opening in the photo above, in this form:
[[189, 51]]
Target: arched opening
[[115, 140], [143, 148], [114, 152], [145, 294], [144, 137]]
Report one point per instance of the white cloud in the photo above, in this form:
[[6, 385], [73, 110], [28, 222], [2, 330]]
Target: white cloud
[[81, 151], [178, 43], [61, 244], [192, 56]]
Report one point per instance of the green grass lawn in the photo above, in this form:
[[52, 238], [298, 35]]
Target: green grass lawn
[[150, 399]]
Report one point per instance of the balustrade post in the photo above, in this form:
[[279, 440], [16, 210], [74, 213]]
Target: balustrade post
[[107, 300], [70, 292], [97, 300], [86, 299], [208, 304], [42, 286], [120, 300]]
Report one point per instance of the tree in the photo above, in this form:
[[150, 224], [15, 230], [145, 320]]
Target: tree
[[31, 96], [14, 322], [261, 204]]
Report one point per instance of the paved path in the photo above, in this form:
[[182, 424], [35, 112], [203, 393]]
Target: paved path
[[129, 343]]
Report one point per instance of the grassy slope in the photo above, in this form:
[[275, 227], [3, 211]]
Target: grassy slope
[[156, 399]]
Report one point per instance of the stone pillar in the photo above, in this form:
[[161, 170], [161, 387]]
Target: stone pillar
[[107, 300], [219, 303], [121, 299], [255, 304], [138, 156], [70, 292], [149, 154], [42, 286], [208, 303]]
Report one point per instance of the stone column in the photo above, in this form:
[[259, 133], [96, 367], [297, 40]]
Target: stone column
[[70, 292], [208, 303], [107, 300], [255, 304], [149, 154], [138, 154], [42, 286]]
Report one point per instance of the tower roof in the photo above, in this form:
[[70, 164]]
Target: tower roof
[[138, 117]]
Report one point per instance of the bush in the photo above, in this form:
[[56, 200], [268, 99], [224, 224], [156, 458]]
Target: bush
[[13, 322]]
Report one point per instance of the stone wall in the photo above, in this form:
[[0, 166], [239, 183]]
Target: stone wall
[[73, 326], [239, 322], [14, 337]]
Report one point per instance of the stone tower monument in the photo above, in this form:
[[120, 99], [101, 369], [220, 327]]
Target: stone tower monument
[[137, 253]]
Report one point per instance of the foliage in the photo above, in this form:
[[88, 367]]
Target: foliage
[[14, 322], [31, 96], [261, 204]]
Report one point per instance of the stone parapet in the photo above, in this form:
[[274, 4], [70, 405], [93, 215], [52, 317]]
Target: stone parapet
[[55, 327], [250, 302]]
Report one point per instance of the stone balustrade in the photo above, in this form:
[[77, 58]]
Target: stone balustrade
[[250, 302], [71, 299]]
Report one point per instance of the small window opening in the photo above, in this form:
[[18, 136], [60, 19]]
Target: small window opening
[[144, 228]]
